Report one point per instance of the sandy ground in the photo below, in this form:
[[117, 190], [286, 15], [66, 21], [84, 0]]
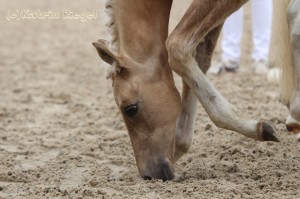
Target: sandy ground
[[61, 135]]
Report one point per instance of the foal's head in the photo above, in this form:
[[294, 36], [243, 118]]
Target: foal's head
[[149, 103]]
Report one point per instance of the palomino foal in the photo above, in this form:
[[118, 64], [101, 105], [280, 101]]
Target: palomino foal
[[143, 84]]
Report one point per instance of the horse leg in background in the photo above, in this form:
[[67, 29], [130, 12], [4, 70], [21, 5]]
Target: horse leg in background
[[186, 119], [293, 16], [182, 44]]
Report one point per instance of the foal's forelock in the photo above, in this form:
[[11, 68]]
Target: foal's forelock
[[112, 30]]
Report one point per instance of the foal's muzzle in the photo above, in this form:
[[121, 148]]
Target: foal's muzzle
[[163, 171]]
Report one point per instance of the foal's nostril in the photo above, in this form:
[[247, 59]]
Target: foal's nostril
[[147, 178]]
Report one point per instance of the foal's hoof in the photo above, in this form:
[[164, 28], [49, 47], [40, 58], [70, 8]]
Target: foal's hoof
[[267, 132], [292, 125]]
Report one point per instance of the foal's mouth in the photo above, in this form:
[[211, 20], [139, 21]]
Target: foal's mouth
[[163, 171]]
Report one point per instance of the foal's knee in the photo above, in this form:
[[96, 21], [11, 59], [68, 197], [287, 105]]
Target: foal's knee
[[178, 56]]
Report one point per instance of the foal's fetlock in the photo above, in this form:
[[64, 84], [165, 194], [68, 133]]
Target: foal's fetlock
[[266, 132]]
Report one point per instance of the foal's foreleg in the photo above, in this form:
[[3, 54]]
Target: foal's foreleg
[[187, 116], [185, 122], [201, 18], [293, 16]]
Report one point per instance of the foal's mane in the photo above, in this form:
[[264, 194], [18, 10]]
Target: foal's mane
[[112, 30], [111, 25]]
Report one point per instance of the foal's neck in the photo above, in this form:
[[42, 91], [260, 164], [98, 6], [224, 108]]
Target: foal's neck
[[143, 28]]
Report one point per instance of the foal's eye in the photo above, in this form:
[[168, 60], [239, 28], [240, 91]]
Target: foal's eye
[[131, 110]]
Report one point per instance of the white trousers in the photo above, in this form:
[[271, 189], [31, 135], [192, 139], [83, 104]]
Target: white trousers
[[261, 32]]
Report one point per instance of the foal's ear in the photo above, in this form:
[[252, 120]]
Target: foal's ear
[[104, 52]]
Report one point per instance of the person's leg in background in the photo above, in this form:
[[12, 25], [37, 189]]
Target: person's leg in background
[[261, 29], [231, 43], [232, 35]]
